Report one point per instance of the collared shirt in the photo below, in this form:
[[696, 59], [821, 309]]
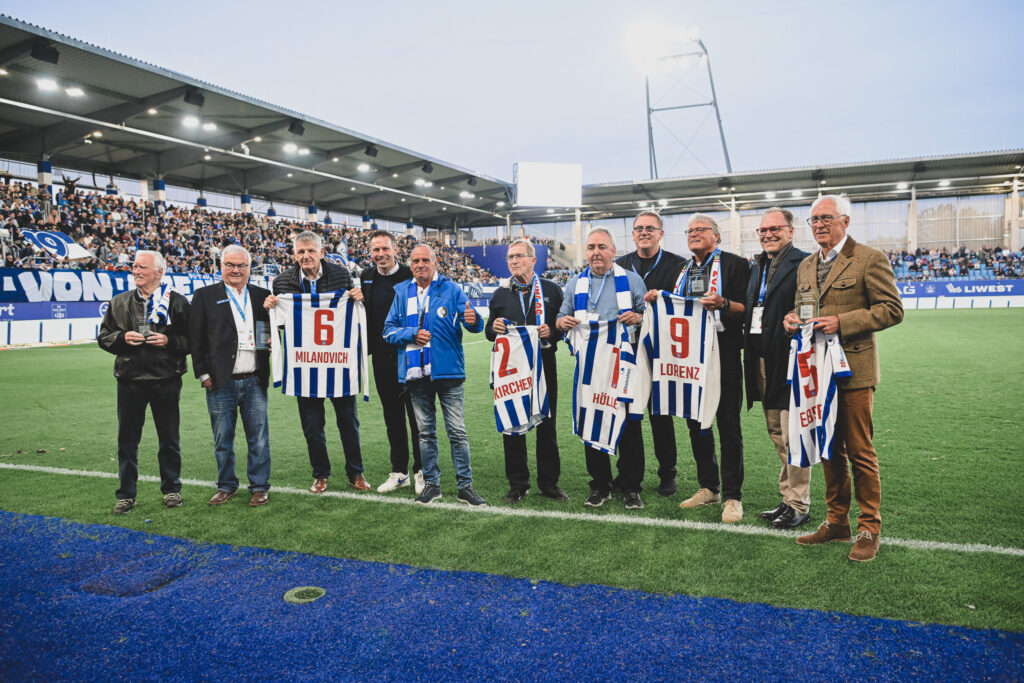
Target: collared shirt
[[303, 279], [245, 360], [834, 251], [394, 269]]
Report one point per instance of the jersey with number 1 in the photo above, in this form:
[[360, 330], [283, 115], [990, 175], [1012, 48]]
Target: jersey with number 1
[[816, 359], [517, 378], [322, 352], [602, 389], [678, 356]]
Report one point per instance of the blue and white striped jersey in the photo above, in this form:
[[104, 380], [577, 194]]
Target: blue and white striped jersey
[[322, 351], [815, 360], [677, 357], [517, 378], [603, 387]]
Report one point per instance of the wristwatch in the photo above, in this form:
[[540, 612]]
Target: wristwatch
[[725, 305]]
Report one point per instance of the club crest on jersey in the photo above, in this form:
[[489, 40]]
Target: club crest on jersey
[[442, 312]]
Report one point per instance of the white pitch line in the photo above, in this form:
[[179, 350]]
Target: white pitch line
[[742, 529]]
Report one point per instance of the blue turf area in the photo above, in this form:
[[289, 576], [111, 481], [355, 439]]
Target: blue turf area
[[92, 602]]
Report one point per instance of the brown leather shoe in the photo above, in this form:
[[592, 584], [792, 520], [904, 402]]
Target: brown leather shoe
[[259, 498], [222, 497], [826, 533], [865, 548], [319, 485], [359, 483]]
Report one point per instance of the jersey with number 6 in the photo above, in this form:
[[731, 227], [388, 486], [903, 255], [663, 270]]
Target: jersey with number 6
[[815, 360], [322, 351], [678, 358], [602, 388], [517, 378]]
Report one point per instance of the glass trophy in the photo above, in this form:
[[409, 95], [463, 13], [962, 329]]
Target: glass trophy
[[262, 335], [807, 305], [142, 326]]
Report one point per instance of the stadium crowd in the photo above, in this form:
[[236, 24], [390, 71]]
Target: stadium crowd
[[113, 227], [925, 264]]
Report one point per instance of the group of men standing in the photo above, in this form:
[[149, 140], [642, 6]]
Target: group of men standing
[[415, 318]]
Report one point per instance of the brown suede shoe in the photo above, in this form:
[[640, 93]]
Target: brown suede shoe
[[865, 548], [319, 486], [222, 497], [359, 483], [826, 533], [259, 498]]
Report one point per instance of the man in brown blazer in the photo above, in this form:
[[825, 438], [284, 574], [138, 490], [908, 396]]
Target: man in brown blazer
[[857, 296]]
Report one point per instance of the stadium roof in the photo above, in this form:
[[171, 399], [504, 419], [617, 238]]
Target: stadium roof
[[56, 92], [95, 90]]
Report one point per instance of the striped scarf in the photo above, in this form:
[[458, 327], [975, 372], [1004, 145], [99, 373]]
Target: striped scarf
[[158, 304], [417, 358], [581, 298], [715, 288]]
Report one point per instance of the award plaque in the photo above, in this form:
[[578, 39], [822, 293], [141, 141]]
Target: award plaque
[[807, 305], [262, 335]]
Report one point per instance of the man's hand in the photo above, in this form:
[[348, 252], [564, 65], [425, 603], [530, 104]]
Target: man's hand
[[422, 338], [791, 322], [544, 332], [270, 302], [651, 296], [208, 383], [158, 340], [499, 326], [133, 338], [470, 316], [356, 294], [829, 324], [713, 302], [630, 318], [566, 323]]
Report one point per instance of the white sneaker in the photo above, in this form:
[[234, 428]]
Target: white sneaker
[[395, 480], [732, 512], [419, 483]]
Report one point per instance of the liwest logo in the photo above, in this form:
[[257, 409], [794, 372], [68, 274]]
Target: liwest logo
[[7, 310]]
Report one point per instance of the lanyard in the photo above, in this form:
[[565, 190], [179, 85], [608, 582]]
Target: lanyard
[[312, 284], [764, 283], [661, 252], [593, 300], [700, 273], [245, 303], [422, 302]]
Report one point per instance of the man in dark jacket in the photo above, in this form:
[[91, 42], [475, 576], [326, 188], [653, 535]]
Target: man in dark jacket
[[147, 329], [659, 269], [378, 287], [516, 304], [770, 294], [313, 275]]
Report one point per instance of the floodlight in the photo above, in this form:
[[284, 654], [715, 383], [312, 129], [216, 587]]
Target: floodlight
[[501, 203], [296, 128], [394, 175], [290, 147], [419, 181], [428, 184], [901, 186], [97, 133], [335, 159], [209, 126], [370, 151], [190, 121], [47, 84], [769, 195], [303, 151], [3, 72], [206, 157], [290, 174], [151, 111], [363, 168], [74, 91], [662, 202], [796, 193], [257, 139], [943, 183]]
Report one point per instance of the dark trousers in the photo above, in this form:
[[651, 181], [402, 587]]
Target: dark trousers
[[630, 464], [162, 398], [664, 431], [729, 434], [395, 401], [549, 466], [311, 415]]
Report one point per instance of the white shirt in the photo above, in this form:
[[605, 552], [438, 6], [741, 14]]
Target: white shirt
[[394, 269], [245, 360], [834, 251], [311, 280]]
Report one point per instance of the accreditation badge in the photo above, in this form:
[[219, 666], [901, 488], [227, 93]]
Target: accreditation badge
[[697, 287], [755, 319]]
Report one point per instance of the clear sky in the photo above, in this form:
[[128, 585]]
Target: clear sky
[[485, 84]]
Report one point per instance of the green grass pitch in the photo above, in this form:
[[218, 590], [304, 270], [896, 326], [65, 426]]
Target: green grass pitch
[[948, 430]]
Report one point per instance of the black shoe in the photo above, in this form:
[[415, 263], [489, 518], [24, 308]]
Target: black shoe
[[515, 494], [554, 493], [790, 519], [633, 501], [667, 487], [470, 497], [772, 514], [431, 492], [597, 498]]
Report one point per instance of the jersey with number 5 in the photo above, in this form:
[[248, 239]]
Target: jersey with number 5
[[678, 359], [517, 378], [816, 359], [322, 352]]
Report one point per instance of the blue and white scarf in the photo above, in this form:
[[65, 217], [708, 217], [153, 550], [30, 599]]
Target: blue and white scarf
[[417, 358], [715, 288], [581, 298], [158, 304]]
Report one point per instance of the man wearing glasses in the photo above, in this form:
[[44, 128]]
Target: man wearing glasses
[[518, 305], [770, 294], [659, 269], [724, 296], [856, 293], [233, 366]]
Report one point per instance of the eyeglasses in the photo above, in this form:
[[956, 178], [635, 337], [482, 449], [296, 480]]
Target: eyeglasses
[[235, 266], [645, 228], [697, 231], [773, 229], [825, 220], [517, 257]]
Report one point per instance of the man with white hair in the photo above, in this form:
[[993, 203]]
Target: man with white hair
[[147, 329]]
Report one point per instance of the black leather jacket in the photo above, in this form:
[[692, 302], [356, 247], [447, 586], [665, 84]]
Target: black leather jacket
[[145, 362]]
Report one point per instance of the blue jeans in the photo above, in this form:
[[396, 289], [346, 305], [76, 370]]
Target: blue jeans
[[450, 392], [248, 398]]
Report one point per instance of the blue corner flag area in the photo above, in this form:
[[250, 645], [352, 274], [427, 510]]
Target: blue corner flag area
[[91, 602]]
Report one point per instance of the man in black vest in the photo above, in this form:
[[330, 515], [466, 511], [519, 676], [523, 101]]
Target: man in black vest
[[378, 286], [516, 303], [771, 291], [313, 275], [659, 269]]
